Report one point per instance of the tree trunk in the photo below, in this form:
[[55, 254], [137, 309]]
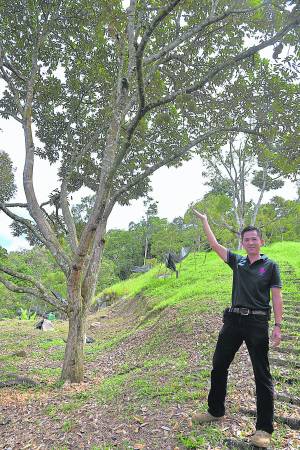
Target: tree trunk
[[262, 191], [73, 360], [240, 245], [241, 224], [146, 250]]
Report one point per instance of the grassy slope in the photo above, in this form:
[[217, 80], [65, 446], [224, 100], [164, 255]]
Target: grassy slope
[[205, 281]]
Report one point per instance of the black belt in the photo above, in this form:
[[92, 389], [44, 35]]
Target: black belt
[[247, 311]]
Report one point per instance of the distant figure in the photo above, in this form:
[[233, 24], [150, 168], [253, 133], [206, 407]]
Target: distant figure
[[246, 320]]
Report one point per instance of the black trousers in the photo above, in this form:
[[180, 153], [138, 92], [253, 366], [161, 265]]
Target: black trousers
[[252, 329]]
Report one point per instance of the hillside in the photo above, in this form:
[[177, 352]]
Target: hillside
[[204, 280], [148, 368]]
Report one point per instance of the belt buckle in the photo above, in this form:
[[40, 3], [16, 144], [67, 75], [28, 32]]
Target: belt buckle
[[244, 311]]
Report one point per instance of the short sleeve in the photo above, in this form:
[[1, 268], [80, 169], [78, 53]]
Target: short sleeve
[[232, 259], [275, 278]]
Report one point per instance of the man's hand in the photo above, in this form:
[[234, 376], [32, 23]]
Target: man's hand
[[218, 248], [199, 215], [276, 336]]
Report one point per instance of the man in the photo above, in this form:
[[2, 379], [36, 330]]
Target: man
[[254, 276]]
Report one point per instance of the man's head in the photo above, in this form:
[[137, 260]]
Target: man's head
[[252, 240]]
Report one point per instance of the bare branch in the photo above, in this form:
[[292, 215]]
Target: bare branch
[[229, 63], [4, 62], [194, 31], [16, 72], [214, 5], [25, 222], [68, 219], [91, 271], [261, 194], [4, 75], [140, 84], [61, 261], [231, 150], [15, 205], [22, 276], [131, 37], [107, 170], [225, 225], [23, 205], [5, 112], [76, 155], [20, 289], [147, 78], [56, 221], [174, 157], [162, 13], [13, 90], [138, 116], [35, 210], [40, 291]]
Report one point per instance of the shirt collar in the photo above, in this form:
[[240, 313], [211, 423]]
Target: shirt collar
[[262, 258]]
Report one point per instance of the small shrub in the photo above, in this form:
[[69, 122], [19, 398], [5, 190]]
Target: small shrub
[[27, 315]]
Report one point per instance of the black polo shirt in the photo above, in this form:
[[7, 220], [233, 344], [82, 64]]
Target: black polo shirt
[[252, 282]]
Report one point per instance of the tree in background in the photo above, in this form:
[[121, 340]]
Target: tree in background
[[7, 181], [218, 206], [125, 250], [279, 220], [245, 161], [114, 95], [151, 212], [232, 170], [170, 237]]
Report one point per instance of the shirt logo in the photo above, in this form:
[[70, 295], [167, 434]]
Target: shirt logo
[[262, 270]]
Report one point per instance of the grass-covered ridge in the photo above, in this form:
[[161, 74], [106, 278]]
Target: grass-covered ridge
[[202, 278]]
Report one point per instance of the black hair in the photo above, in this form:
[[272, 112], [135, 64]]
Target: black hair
[[251, 228]]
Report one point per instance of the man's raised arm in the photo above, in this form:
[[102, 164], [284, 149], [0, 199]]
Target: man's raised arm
[[218, 248]]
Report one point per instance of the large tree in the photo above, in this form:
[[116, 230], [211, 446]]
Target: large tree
[[110, 93]]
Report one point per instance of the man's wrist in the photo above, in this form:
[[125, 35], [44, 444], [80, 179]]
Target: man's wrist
[[277, 325]]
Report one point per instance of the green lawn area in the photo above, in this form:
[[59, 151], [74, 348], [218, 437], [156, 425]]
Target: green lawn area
[[205, 280]]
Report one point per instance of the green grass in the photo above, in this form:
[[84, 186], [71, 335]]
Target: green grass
[[161, 378], [49, 343], [202, 285], [68, 425], [176, 363], [57, 355], [175, 389], [210, 436], [51, 411], [111, 388], [46, 373], [103, 447], [196, 283], [92, 351]]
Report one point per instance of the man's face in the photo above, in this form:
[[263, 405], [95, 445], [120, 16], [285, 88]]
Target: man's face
[[252, 242]]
